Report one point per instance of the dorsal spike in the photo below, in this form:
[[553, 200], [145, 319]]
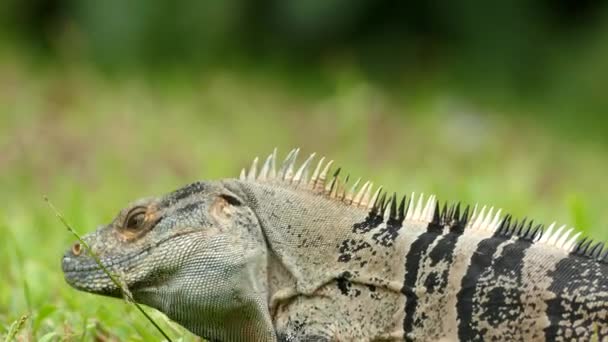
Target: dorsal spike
[[285, 164], [315, 175], [450, 213], [456, 215], [526, 230], [521, 229], [411, 206], [553, 239], [380, 205], [547, 233], [341, 191], [563, 239], [350, 194], [301, 175], [496, 222], [429, 209], [504, 225], [374, 198], [570, 244], [387, 208], [265, 169], [365, 201], [273, 165], [288, 168], [393, 208], [331, 187], [359, 196], [579, 244], [401, 210], [419, 207], [473, 215], [533, 233], [444, 212], [252, 175], [320, 184], [436, 217], [465, 215], [596, 250], [243, 175], [485, 224], [479, 218]]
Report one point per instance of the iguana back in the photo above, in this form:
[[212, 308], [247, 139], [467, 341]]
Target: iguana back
[[279, 255]]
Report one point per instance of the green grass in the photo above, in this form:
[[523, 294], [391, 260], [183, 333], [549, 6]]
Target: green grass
[[93, 143]]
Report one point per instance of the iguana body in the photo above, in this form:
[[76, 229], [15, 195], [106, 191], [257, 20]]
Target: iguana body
[[276, 256]]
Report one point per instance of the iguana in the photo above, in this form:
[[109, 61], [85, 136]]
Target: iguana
[[277, 255]]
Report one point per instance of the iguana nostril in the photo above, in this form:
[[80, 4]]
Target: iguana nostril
[[76, 249]]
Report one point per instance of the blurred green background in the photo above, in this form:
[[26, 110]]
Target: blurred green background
[[102, 102]]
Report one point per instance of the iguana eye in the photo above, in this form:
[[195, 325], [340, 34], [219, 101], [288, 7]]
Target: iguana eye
[[135, 218]]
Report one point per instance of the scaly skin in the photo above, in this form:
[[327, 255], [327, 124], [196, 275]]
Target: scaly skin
[[275, 257]]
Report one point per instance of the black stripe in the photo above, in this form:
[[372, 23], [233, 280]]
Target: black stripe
[[443, 252], [508, 265], [580, 285], [412, 265], [481, 259], [500, 279]]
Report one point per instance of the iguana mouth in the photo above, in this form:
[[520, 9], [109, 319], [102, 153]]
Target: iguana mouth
[[74, 265]]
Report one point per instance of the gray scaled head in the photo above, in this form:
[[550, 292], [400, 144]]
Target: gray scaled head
[[195, 254]]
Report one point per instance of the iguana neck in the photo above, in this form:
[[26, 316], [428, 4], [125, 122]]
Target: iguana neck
[[303, 231]]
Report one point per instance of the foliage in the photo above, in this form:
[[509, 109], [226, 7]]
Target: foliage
[[93, 142]]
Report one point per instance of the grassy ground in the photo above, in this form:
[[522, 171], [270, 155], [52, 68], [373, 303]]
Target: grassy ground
[[93, 143]]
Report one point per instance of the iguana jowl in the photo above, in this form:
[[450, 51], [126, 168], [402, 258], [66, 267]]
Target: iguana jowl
[[276, 255]]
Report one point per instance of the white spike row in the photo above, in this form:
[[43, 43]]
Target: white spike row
[[417, 209]]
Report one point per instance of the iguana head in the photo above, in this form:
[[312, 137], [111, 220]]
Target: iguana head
[[191, 253]]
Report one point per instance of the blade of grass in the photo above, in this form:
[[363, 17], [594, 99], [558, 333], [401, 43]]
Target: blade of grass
[[15, 328], [120, 284], [84, 330]]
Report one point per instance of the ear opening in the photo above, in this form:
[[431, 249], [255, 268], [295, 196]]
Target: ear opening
[[232, 200]]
